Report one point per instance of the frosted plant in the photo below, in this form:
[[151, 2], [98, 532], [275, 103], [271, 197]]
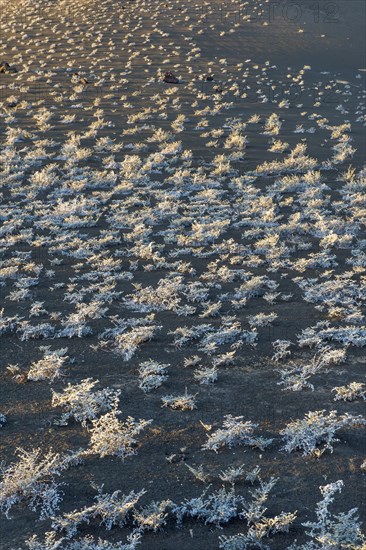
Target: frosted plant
[[254, 510], [254, 119], [262, 319], [235, 140], [232, 474], [260, 526], [19, 295], [281, 350], [317, 429], [184, 402], [211, 309], [83, 404], [216, 508], [198, 473], [229, 332], [192, 361], [297, 161], [178, 123], [203, 233], [86, 543], [37, 309], [235, 432], [126, 343], [278, 146], [322, 331], [113, 437], [277, 524], [32, 480], [91, 310], [342, 151], [161, 135], [206, 375], [330, 532], [253, 475], [17, 373], [224, 359], [351, 392], [337, 292], [253, 287], [221, 165], [316, 260], [113, 509], [42, 117], [184, 335], [256, 533], [49, 367], [109, 509], [242, 541], [43, 330], [152, 375], [272, 125], [49, 543], [153, 516], [296, 376], [338, 131], [74, 327], [271, 297], [164, 297]]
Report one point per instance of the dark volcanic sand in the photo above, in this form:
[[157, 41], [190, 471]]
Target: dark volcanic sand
[[272, 49]]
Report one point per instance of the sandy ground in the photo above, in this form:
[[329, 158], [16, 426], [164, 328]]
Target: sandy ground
[[79, 222]]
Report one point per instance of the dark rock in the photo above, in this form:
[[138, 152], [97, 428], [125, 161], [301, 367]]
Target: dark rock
[[170, 78], [7, 69]]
